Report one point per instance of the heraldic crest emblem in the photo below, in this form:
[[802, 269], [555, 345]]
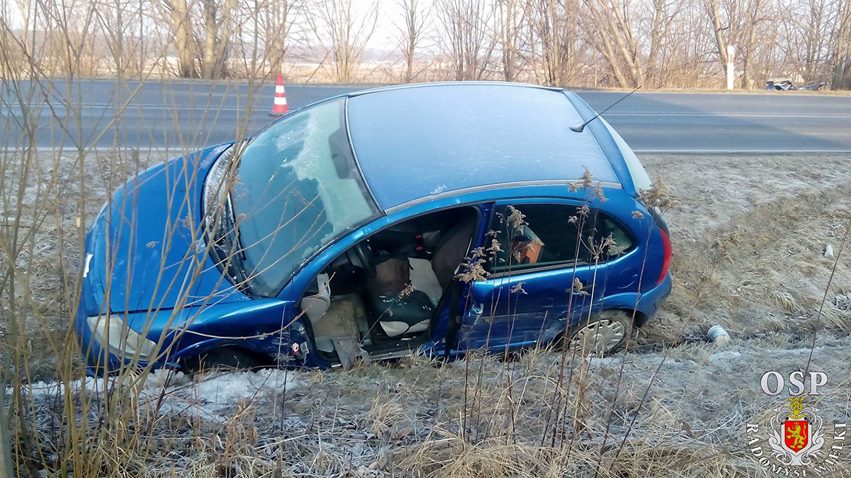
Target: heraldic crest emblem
[[796, 436]]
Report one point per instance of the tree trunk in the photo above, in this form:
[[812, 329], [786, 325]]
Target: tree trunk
[[720, 43], [217, 23], [842, 50], [184, 43], [6, 467]]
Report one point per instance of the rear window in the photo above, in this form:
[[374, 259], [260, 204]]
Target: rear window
[[542, 235], [640, 178]]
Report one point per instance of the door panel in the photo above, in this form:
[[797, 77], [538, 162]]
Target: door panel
[[549, 265], [525, 309]]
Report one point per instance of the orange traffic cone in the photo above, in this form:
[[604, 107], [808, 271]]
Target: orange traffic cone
[[280, 106]]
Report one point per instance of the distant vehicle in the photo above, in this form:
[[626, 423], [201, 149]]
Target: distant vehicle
[[432, 219], [787, 85]]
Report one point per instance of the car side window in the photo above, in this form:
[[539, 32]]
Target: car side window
[[527, 236]]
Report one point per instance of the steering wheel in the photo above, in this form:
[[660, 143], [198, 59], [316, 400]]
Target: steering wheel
[[361, 254]]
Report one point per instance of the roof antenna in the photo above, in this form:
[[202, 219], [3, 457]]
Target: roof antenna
[[580, 128]]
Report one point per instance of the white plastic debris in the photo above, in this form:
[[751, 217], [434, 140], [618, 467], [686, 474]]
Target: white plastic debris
[[718, 335], [828, 250]]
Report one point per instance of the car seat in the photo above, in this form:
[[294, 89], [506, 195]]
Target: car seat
[[451, 249], [400, 308], [316, 305]]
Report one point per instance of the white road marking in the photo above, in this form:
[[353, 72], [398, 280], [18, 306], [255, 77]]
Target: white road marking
[[740, 151], [788, 115]]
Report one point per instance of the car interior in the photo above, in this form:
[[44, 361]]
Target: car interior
[[379, 297], [549, 236]]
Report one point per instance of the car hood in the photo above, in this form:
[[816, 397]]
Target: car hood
[[146, 249]]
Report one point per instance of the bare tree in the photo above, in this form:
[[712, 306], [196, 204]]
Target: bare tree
[[201, 30], [748, 37], [816, 35], [812, 31], [736, 22], [344, 30], [123, 31], [555, 37], [512, 21], [411, 32], [179, 17], [216, 27], [556, 42], [841, 55], [6, 464], [465, 37], [609, 27], [69, 32], [664, 14], [713, 10], [277, 19]]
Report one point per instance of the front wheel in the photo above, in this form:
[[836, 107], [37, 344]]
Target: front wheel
[[223, 359], [601, 334]]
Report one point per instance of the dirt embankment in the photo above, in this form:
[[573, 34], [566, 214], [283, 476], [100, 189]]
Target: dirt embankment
[[755, 241]]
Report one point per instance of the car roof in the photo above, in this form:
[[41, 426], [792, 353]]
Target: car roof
[[415, 142]]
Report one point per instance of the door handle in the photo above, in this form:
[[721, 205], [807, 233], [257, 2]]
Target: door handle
[[476, 311]]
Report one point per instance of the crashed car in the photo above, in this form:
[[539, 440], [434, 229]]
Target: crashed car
[[787, 85], [434, 219]]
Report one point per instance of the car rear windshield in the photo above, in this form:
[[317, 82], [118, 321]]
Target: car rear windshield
[[297, 189]]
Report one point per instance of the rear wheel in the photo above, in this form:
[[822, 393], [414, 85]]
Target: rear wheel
[[602, 333]]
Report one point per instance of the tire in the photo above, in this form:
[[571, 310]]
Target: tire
[[602, 334], [224, 359]]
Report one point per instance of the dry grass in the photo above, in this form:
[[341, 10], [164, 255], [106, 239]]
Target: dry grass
[[749, 241], [749, 236], [749, 255]]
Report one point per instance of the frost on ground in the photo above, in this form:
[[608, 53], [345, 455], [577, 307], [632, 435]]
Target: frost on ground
[[750, 235], [749, 238], [208, 396], [683, 409]]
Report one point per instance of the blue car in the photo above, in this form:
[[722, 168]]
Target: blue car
[[430, 219]]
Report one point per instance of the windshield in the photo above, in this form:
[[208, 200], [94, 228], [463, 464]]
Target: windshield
[[297, 189]]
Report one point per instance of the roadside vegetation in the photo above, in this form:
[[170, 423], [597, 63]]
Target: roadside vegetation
[[599, 43], [759, 248], [750, 255]]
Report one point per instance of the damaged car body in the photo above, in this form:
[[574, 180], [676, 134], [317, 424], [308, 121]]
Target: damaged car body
[[429, 219]]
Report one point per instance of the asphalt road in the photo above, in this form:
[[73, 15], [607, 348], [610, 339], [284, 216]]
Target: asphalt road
[[190, 114]]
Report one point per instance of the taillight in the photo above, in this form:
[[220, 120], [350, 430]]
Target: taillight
[[666, 261]]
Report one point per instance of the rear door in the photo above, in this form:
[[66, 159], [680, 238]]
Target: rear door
[[547, 263]]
